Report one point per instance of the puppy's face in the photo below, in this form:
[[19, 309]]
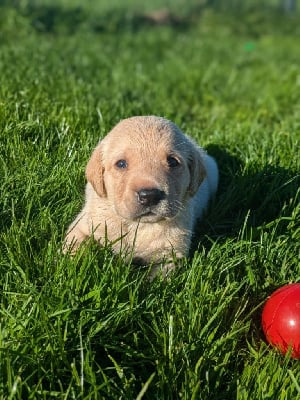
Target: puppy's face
[[146, 168]]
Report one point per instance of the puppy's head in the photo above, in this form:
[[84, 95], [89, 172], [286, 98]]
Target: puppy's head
[[146, 168]]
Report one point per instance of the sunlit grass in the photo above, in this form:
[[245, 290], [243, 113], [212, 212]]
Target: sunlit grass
[[92, 326]]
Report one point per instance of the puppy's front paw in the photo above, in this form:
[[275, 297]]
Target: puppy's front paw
[[73, 241]]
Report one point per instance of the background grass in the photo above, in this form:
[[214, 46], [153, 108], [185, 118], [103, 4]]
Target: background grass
[[91, 327]]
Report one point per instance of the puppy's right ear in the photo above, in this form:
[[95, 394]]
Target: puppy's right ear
[[95, 170]]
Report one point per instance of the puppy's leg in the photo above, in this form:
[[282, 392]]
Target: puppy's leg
[[75, 236]]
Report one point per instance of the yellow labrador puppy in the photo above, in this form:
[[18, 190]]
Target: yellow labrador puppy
[[147, 185]]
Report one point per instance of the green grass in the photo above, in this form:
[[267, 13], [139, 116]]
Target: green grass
[[92, 327]]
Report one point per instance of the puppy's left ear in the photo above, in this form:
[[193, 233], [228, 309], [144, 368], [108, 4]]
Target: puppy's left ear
[[197, 169]]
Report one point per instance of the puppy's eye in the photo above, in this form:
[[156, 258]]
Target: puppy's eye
[[121, 164], [172, 162]]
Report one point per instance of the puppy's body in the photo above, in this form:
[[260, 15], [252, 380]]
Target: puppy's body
[[147, 185]]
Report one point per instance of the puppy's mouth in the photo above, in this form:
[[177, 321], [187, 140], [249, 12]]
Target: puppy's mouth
[[149, 216], [154, 215]]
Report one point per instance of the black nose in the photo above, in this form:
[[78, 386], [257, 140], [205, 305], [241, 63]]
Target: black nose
[[150, 197]]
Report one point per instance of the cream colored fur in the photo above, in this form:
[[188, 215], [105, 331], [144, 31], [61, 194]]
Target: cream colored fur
[[141, 155]]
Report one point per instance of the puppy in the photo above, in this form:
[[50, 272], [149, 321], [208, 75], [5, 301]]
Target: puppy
[[147, 185]]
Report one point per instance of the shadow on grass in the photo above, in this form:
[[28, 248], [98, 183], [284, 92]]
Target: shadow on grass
[[258, 196]]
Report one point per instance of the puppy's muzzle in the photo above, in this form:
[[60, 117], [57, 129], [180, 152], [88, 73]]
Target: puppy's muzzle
[[150, 197]]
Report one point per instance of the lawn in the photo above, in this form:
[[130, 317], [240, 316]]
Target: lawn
[[92, 326]]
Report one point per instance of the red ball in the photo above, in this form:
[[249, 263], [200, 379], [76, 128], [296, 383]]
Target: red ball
[[281, 319]]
